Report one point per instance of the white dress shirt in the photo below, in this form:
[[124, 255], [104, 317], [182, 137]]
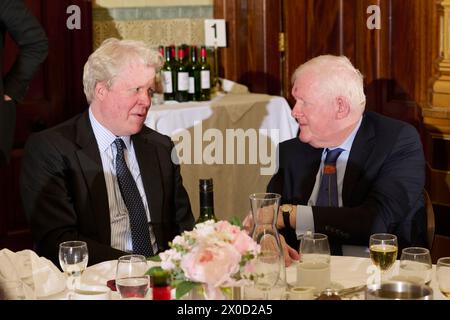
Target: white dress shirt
[[120, 223]]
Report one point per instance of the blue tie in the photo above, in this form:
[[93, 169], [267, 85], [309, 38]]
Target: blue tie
[[328, 191], [140, 235]]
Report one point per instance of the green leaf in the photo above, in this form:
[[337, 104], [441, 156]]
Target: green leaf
[[184, 287], [235, 221], [156, 258], [153, 270]]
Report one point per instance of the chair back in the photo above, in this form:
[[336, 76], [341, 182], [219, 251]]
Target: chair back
[[430, 219]]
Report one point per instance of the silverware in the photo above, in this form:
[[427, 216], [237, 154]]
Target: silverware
[[351, 290]]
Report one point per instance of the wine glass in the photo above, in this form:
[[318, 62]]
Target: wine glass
[[267, 270], [73, 259], [131, 281], [443, 275], [383, 251], [415, 265], [314, 267]]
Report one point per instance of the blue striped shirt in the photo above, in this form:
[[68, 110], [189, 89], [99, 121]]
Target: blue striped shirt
[[120, 224]]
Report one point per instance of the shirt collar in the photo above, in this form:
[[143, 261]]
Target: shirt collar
[[105, 137], [347, 144]]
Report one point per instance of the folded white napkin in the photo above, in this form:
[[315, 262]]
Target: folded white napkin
[[25, 275], [233, 87]]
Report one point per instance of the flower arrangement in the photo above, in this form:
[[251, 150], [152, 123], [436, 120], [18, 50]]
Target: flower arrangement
[[213, 254]]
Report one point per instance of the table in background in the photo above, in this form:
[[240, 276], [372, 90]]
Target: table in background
[[233, 183]]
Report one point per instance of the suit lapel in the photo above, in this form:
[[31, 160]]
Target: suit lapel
[[146, 155], [313, 159], [92, 169], [357, 161]]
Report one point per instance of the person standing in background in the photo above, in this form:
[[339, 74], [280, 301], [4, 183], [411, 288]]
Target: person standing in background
[[25, 30]]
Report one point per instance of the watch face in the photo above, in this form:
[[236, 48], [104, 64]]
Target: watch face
[[286, 208]]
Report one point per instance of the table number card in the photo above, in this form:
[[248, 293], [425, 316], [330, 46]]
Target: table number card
[[215, 33]]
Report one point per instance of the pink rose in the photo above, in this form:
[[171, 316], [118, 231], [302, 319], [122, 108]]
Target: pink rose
[[211, 264], [244, 243]]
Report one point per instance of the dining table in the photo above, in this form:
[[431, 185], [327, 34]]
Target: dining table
[[346, 272]]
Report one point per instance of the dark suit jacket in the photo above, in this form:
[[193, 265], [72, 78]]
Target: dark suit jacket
[[32, 42], [64, 192], [382, 189]]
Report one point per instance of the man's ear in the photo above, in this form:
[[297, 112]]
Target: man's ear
[[342, 107], [100, 91]]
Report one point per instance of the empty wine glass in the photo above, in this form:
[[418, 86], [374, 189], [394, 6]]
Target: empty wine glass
[[383, 251], [131, 281], [415, 265], [73, 259], [443, 275]]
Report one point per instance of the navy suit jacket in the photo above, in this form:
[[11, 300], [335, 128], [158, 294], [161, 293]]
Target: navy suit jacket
[[64, 192], [382, 189]]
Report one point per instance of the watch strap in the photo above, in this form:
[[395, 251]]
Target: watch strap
[[286, 219]]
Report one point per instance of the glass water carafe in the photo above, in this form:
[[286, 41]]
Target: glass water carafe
[[270, 270]]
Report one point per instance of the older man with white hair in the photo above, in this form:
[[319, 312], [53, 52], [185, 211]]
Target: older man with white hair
[[350, 173]]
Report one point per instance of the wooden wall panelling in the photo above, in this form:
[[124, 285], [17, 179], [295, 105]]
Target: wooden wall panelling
[[331, 28], [251, 57], [55, 94], [294, 27]]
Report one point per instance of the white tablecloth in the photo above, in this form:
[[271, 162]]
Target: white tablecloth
[[349, 272], [345, 272], [171, 116], [267, 117]]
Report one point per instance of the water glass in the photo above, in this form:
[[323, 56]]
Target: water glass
[[415, 265], [131, 281], [443, 275], [314, 267], [267, 270], [73, 259]]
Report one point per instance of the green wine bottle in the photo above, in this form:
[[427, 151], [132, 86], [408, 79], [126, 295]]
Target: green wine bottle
[[206, 201], [205, 76], [182, 94], [168, 76], [194, 76]]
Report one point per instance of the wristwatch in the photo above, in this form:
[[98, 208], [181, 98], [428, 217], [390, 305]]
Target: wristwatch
[[286, 211]]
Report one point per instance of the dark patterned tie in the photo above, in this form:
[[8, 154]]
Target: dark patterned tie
[[140, 235], [328, 191]]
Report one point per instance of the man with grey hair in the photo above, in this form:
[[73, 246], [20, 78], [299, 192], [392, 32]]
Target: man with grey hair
[[350, 173], [103, 177]]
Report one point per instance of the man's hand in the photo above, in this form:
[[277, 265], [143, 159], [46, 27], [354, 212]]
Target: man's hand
[[248, 223], [290, 254], [6, 97]]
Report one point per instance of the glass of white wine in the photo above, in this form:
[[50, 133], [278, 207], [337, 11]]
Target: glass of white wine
[[73, 259], [443, 275], [383, 251], [415, 265]]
